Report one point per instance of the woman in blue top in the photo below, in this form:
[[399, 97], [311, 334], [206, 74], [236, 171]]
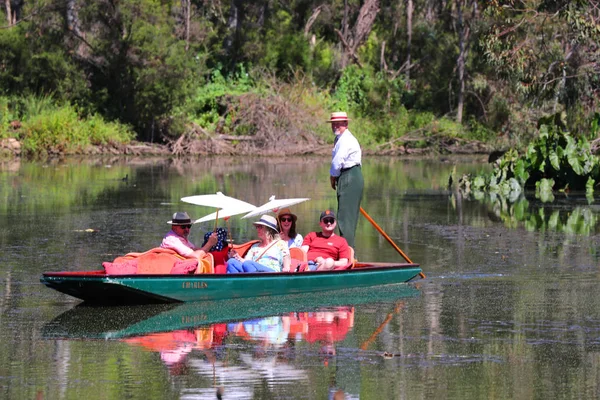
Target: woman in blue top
[[287, 231], [271, 254]]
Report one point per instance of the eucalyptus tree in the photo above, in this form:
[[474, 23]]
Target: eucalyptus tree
[[548, 55]]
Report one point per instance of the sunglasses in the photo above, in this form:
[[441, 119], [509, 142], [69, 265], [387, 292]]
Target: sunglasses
[[185, 226], [286, 219], [328, 220]]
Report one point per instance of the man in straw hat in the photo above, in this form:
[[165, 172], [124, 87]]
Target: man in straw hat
[[346, 175], [177, 238]]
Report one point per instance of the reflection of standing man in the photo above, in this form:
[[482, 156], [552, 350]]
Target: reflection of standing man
[[346, 176]]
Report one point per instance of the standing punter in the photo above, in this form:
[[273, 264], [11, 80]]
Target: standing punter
[[345, 175]]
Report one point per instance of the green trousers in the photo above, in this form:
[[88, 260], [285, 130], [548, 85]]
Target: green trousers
[[349, 193]]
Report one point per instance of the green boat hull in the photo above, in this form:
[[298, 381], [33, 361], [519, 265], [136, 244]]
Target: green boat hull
[[96, 287], [92, 322]]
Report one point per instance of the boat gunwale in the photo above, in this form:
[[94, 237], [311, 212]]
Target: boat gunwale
[[99, 274]]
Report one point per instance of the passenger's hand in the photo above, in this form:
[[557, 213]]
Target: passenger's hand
[[333, 180], [319, 262], [212, 239], [328, 264]]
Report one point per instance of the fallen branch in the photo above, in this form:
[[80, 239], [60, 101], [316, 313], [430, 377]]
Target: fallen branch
[[236, 138]]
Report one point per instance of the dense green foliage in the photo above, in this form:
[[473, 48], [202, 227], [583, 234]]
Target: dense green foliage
[[484, 70], [47, 128], [555, 160]]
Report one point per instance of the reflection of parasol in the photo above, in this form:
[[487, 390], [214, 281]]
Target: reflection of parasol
[[226, 205], [274, 205]]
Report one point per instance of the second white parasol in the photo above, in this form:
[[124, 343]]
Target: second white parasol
[[226, 206], [274, 205]]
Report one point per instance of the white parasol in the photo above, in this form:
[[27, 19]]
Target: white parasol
[[226, 213], [274, 205], [226, 206]]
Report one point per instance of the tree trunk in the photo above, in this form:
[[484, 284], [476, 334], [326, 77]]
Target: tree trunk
[[409, 15], [429, 11], [362, 29], [460, 62], [73, 17], [8, 12], [345, 20], [186, 6], [233, 23], [312, 19]]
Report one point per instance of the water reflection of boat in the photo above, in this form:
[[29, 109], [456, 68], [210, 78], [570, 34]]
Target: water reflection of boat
[[268, 336], [87, 322], [232, 343]]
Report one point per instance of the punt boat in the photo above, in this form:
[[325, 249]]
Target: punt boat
[[98, 287]]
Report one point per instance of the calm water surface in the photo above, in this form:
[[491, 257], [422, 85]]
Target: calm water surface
[[509, 308]]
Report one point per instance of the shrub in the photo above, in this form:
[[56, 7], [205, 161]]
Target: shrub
[[59, 130]]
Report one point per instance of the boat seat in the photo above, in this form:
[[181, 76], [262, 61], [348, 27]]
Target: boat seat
[[243, 248], [299, 259]]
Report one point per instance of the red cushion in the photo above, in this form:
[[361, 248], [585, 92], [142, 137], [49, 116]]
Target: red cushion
[[294, 264], [185, 267], [220, 256], [221, 269], [128, 267]]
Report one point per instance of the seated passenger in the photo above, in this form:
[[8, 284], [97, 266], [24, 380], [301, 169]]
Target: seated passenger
[[271, 254], [177, 238], [287, 223], [325, 249]]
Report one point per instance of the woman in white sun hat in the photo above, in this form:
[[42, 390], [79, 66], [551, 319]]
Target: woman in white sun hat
[[271, 254]]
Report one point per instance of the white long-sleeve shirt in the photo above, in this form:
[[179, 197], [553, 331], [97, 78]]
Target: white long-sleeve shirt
[[346, 153]]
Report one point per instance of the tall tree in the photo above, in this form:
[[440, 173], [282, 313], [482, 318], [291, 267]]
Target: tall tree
[[548, 52], [409, 28], [463, 37], [9, 15], [186, 7], [353, 38]]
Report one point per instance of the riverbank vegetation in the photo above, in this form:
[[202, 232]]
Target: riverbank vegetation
[[227, 77], [554, 161]]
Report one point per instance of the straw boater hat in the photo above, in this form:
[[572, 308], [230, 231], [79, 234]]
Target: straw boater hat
[[268, 221], [286, 211], [180, 218], [338, 116]]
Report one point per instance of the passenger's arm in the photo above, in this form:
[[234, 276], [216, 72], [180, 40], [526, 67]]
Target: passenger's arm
[[199, 254], [342, 262], [173, 243], [287, 261], [212, 240]]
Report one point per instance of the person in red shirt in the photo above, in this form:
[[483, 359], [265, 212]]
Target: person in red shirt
[[325, 249]]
